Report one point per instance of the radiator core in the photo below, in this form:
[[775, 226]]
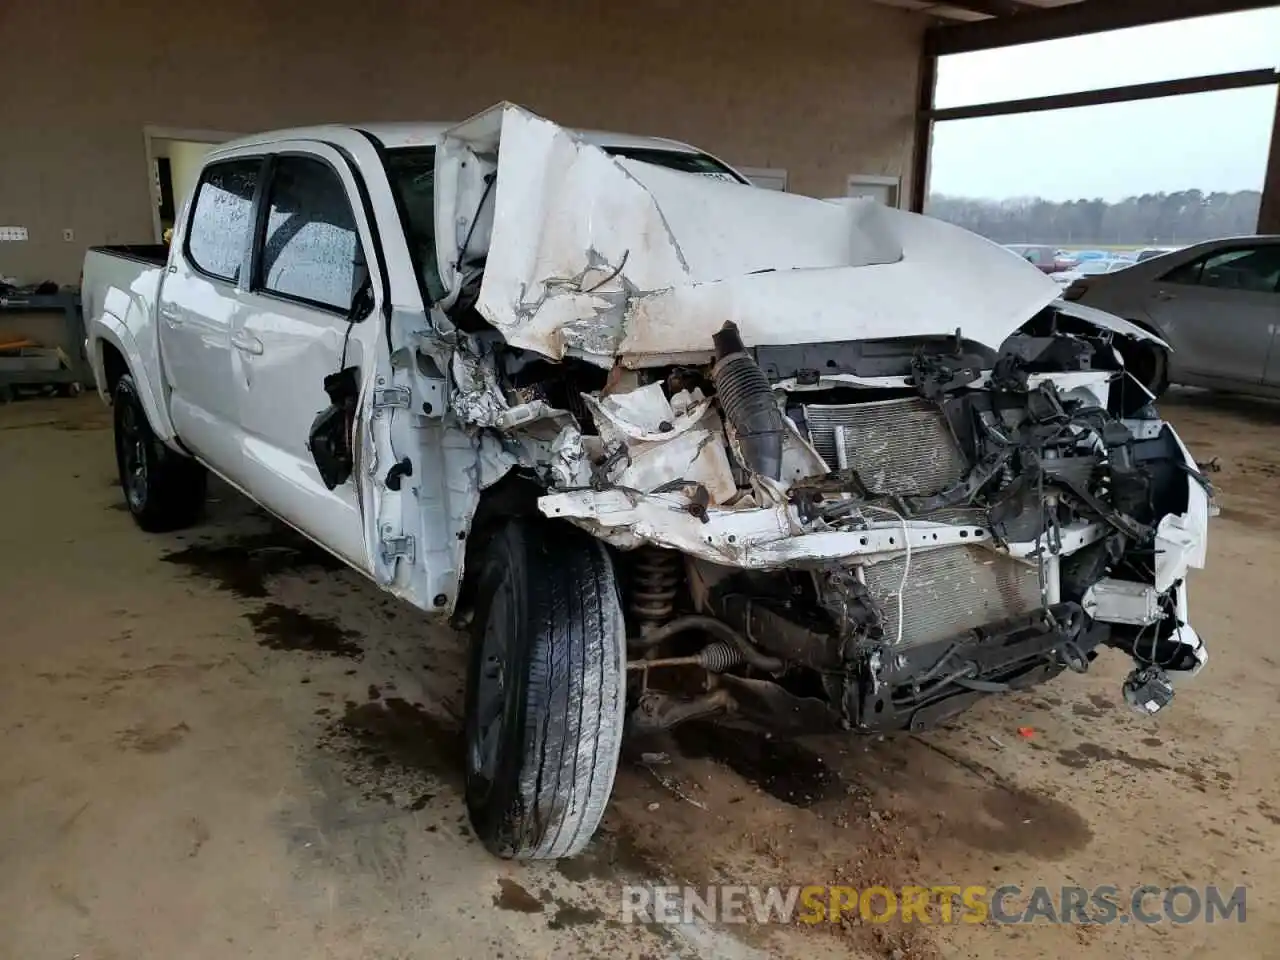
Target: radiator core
[[951, 590], [895, 446]]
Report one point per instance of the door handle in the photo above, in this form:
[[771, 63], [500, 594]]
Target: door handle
[[170, 315], [246, 343], [1165, 295]]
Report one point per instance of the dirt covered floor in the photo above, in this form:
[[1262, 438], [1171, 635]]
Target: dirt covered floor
[[221, 744]]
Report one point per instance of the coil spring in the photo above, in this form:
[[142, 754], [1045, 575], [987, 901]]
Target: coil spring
[[655, 580], [719, 657]]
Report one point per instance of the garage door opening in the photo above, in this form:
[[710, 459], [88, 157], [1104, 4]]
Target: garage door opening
[[1158, 134], [1168, 172], [174, 157]]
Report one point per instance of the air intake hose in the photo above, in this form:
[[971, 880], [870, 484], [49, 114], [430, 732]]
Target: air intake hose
[[747, 401]]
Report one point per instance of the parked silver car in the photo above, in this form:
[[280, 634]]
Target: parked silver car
[[1090, 268], [1217, 304]]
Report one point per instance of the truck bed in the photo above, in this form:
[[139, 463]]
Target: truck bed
[[152, 253], [119, 290]]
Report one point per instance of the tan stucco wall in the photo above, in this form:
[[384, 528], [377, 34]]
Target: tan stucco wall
[[823, 88]]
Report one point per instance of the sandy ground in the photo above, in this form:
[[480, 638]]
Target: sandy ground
[[218, 744]]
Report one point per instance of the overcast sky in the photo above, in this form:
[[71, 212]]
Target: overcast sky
[[1213, 141]]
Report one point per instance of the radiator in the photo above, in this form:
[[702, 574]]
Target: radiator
[[895, 446], [950, 590]]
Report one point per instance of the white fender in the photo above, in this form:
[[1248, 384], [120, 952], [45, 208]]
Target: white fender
[[109, 328]]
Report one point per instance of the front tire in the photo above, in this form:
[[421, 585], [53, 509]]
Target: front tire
[[546, 691], [163, 490]]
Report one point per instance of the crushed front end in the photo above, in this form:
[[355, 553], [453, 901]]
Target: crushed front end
[[893, 491], [893, 533]]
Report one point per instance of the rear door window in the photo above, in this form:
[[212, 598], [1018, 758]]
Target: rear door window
[[310, 249], [1251, 269], [218, 237]]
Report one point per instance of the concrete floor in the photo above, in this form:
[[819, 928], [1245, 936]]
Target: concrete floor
[[217, 744]]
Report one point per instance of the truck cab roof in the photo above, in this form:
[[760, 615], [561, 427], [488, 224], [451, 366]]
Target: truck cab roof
[[413, 134]]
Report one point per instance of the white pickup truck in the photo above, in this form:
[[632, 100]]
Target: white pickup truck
[[671, 445]]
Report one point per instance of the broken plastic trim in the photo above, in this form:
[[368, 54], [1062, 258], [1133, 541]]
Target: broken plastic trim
[[329, 439]]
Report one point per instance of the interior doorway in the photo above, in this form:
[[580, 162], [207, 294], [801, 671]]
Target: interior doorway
[[174, 156]]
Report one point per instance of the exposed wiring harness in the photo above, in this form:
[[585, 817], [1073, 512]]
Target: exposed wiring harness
[[906, 565], [1169, 608]]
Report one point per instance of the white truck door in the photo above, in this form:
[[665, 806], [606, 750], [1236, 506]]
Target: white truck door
[[198, 302], [312, 254]]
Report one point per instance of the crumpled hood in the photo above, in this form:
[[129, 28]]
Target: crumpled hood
[[614, 259]]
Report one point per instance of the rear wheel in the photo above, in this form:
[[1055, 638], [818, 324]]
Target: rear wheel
[[162, 489], [546, 691], [1146, 362]]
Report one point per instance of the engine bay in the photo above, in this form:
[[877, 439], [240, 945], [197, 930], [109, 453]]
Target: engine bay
[[863, 535], [855, 468]]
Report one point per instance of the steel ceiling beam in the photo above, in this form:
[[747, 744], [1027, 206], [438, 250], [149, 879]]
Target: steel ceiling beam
[[1071, 20], [991, 8], [1125, 94], [1269, 211], [922, 142]]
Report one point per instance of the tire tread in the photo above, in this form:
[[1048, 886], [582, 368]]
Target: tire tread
[[574, 694], [176, 485]]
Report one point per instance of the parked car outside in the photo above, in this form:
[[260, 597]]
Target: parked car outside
[[1089, 268], [1044, 257], [1064, 260], [1217, 304], [1148, 253]]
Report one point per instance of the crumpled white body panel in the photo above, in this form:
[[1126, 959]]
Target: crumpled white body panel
[[576, 253], [614, 259]]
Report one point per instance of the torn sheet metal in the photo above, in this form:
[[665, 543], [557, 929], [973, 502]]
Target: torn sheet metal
[[478, 401], [570, 465], [799, 457], [1106, 321], [772, 537], [608, 258], [642, 413], [664, 443], [475, 397]]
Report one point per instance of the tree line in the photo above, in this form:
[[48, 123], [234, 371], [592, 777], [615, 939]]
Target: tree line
[[1187, 216]]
